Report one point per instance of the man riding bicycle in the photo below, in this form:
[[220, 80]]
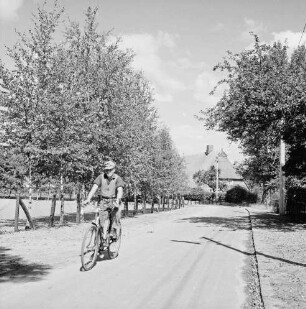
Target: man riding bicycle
[[111, 186]]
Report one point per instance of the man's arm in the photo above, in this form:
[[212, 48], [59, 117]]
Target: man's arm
[[91, 193], [119, 195]]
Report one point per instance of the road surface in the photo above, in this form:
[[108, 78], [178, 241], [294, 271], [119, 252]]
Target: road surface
[[194, 258]]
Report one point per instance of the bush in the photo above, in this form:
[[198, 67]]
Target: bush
[[239, 195], [296, 200]]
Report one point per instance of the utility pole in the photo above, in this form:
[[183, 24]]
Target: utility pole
[[282, 203]]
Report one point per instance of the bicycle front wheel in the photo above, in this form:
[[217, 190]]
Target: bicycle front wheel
[[90, 248], [114, 245]]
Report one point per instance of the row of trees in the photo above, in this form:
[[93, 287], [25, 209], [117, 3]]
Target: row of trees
[[67, 106], [265, 102]]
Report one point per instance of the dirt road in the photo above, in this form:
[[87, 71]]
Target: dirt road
[[188, 258]]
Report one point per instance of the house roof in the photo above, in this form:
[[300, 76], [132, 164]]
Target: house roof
[[204, 161]]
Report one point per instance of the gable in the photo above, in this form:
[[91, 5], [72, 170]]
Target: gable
[[202, 161]]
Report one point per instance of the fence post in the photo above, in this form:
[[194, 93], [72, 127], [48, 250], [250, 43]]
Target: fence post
[[53, 205], [16, 213]]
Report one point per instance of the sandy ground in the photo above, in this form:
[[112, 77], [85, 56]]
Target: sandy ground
[[281, 253], [154, 247], [189, 258]]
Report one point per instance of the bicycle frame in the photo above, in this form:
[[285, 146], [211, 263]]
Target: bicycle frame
[[107, 224]]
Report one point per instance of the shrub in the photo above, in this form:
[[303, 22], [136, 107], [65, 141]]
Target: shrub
[[239, 195], [296, 200]]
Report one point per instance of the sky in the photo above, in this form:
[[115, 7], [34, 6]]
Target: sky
[[177, 44]]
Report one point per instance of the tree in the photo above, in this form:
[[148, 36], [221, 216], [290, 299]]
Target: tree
[[251, 110], [22, 110], [72, 104], [294, 132], [209, 178]]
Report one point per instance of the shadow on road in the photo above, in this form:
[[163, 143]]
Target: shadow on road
[[14, 269]]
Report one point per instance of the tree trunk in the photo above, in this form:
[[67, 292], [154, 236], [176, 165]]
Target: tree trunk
[[49, 189], [126, 206], [62, 214], [264, 194], [27, 213], [135, 201], [30, 203], [172, 200], [152, 202], [78, 213], [53, 206], [82, 198], [144, 205], [163, 201], [62, 199], [17, 213]]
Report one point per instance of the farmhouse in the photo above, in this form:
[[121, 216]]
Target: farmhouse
[[205, 160]]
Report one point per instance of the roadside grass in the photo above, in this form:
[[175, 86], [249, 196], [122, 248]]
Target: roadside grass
[[280, 249]]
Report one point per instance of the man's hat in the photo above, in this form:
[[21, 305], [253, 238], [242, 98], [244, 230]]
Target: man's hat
[[109, 165]]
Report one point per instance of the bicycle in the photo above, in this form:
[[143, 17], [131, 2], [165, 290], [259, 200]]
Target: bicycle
[[93, 242]]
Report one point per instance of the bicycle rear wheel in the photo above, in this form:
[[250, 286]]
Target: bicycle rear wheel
[[90, 248], [113, 248]]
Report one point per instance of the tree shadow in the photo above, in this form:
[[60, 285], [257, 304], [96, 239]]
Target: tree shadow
[[186, 241], [253, 253], [276, 222], [232, 223], [14, 269], [270, 221], [7, 225], [218, 243]]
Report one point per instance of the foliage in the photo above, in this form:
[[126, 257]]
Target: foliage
[[295, 118], [264, 102], [209, 177], [239, 195], [68, 106], [296, 197], [196, 194]]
